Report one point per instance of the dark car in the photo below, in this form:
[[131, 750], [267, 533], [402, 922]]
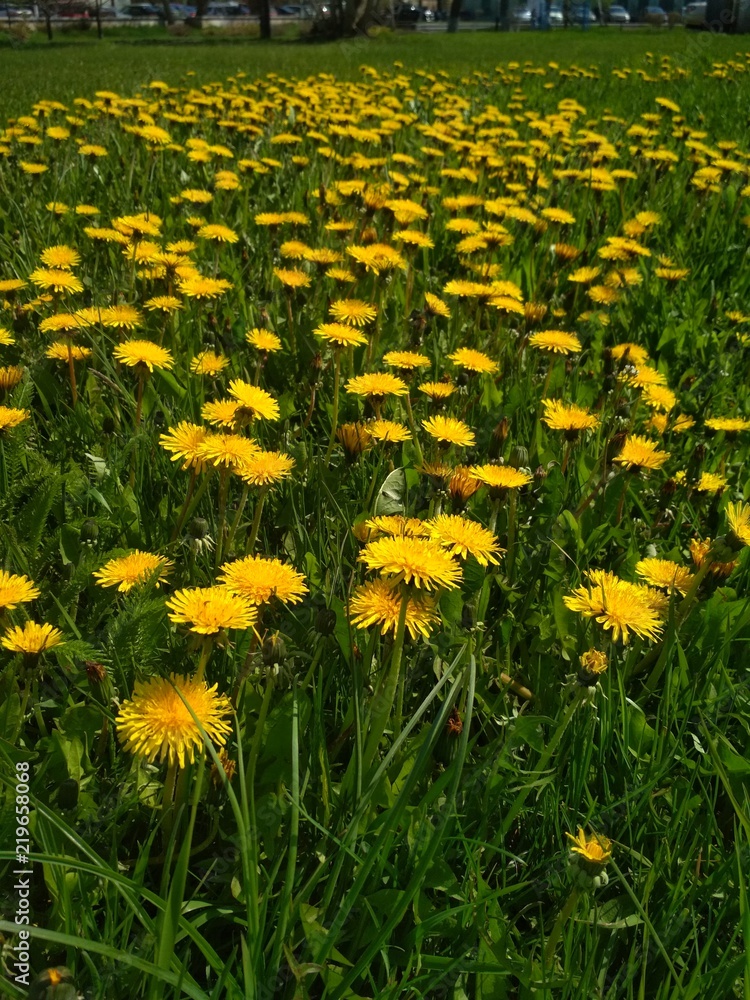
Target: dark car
[[695, 15], [655, 15], [140, 11], [582, 15], [410, 13]]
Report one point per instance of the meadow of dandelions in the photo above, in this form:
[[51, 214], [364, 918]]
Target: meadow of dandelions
[[372, 480]]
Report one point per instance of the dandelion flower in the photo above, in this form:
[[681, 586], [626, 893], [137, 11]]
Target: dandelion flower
[[198, 287], [10, 417], [379, 603], [230, 451], [156, 722], [437, 391], [32, 639], [353, 311], [60, 256], [420, 562], [738, 518], [406, 360], [208, 610], [258, 579], [377, 385], [567, 417], [640, 453], [619, 606], [135, 353], [126, 572], [463, 538], [15, 590], [500, 477], [208, 363], [10, 376], [474, 361], [218, 233], [449, 430], [183, 442], [664, 573], [556, 341], [595, 849], [388, 431], [254, 401], [266, 467], [263, 340], [56, 280], [340, 334], [397, 524], [730, 425]]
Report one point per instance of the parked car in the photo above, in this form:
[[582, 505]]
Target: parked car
[[15, 14], [655, 15], [617, 15], [140, 12], [555, 17], [521, 17], [695, 15], [300, 11], [410, 13], [582, 15]]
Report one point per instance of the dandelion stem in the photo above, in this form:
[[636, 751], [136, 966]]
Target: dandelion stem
[[223, 490], [335, 413], [188, 507], [562, 918], [382, 702], [167, 801], [237, 516], [72, 374], [185, 502], [413, 427], [205, 655], [511, 553], [544, 760], [253, 536]]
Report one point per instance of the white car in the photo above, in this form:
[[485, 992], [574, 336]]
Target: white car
[[695, 15]]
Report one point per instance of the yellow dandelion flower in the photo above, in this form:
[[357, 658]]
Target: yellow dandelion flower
[[556, 341], [258, 579], [11, 416], [640, 453], [618, 606], [340, 334], [354, 312], [134, 353], [199, 287], [266, 467], [254, 401], [437, 391], [221, 412], [436, 306], [388, 432], [378, 603], [463, 538], [56, 280], [218, 233], [596, 849], [292, 278], [231, 451], [183, 443], [665, 573], [449, 430], [157, 723], [567, 417], [208, 363], [738, 518], [263, 340], [32, 639], [208, 610], [500, 477], [419, 562], [125, 572], [61, 352], [60, 256], [377, 385], [406, 360], [10, 376], [15, 590], [730, 425], [474, 361]]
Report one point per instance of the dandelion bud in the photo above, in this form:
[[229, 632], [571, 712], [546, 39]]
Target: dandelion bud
[[95, 672], [498, 439], [198, 528], [108, 425], [228, 765], [540, 473], [89, 531], [468, 617], [593, 664], [274, 651], [54, 983], [519, 457], [325, 621]]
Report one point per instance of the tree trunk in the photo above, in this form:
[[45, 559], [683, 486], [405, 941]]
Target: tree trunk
[[200, 10], [453, 16], [265, 19], [168, 14]]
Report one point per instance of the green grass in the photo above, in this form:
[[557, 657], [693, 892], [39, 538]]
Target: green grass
[[78, 65], [396, 823]]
